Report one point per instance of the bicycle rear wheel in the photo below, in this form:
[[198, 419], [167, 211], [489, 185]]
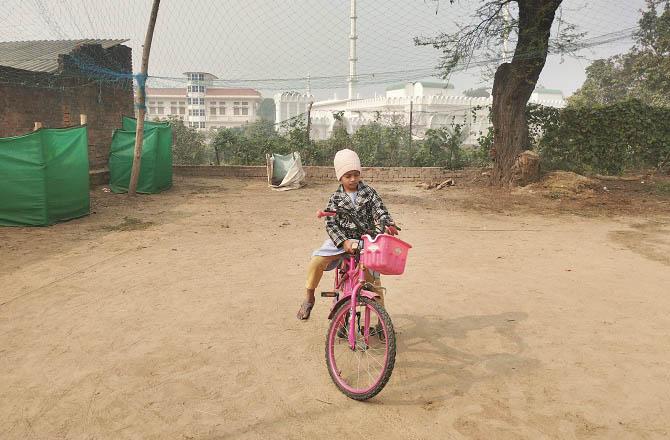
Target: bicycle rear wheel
[[363, 372]]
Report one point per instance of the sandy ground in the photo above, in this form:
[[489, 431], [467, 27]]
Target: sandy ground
[[173, 317]]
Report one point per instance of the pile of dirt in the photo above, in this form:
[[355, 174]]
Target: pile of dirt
[[563, 183]]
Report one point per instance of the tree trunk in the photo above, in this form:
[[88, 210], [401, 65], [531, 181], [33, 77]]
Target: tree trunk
[[216, 152], [514, 83]]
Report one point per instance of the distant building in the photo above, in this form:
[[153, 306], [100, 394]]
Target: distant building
[[420, 88], [432, 104], [202, 105], [55, 81], [548, 97], [290, 105]]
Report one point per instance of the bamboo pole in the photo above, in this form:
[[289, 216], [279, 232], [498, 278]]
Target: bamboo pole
[[141, 100]]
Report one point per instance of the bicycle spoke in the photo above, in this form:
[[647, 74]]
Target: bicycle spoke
[[370, 363]]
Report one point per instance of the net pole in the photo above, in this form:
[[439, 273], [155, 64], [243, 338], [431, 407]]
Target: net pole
[[141, 100]]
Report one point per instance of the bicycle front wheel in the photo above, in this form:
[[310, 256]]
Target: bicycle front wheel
[[362, 372]]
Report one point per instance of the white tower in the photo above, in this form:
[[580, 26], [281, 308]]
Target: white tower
[[352, 51]]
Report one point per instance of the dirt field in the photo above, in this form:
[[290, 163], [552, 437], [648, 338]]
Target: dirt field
[[172, 316]]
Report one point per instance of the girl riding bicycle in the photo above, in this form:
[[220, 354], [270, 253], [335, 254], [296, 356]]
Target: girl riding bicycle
[[366, 215]]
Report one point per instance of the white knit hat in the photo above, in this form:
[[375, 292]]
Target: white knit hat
[[345, 161]]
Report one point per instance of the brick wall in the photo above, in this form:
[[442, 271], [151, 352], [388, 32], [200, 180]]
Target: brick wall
[[321, 174], [57, 100]]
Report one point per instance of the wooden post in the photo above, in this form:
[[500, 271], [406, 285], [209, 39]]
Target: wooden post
[[37, 126], [141, 101], [309, 119], [82, 119], [268, 167], [411, 109]]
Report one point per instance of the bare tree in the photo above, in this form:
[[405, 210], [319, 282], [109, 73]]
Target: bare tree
[[514, 80]]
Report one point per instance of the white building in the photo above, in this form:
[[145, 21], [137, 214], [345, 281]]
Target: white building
[[202, 105], [431, 104], [291, 105], [422, 104]]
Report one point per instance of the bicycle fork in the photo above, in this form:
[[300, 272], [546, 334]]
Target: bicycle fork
[[353, 328]]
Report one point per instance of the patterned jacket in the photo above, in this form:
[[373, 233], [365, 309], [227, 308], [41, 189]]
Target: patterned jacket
[[369, 211]]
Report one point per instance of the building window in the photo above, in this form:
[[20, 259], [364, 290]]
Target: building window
[[173, 103], [245, 103], [182, 110], [245, 111], [222, 110], [181, 102], [236, 103], [196, 76], [236, 111], [212, 111], [196, 101], [160, 110], [173, 110], [202, 125]]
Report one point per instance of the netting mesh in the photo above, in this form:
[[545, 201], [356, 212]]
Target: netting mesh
[[271, 59], [284, 45]]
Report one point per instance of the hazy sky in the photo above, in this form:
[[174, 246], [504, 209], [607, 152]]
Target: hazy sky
[[270, 45]]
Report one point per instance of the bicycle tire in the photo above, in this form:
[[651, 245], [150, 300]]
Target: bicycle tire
[[390, 341]]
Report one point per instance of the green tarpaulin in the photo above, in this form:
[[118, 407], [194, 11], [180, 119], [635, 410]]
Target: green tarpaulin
[[156, 163], [44, 177], [130, 124]]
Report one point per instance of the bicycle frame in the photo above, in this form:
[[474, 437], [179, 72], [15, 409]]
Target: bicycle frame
[[351, 284]]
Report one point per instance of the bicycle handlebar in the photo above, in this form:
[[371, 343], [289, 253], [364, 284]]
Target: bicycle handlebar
[[321, 214]]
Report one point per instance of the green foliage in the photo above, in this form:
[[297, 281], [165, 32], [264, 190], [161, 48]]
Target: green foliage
[[444, 144], [249, 144], [382, 145], [606, 139], [189, 144], [225, 143], [643, 72], [480, 154], [377, 144], [540, 119]]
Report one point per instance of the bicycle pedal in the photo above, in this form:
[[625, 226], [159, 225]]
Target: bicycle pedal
[[328, 294]]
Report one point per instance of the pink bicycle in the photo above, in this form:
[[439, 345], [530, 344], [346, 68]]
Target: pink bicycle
[[361, 342]]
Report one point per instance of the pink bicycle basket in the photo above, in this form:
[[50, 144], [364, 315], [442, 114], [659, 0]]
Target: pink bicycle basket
[[385, 254]]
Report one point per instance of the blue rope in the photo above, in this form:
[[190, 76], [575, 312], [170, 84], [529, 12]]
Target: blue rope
[[141, 80]]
